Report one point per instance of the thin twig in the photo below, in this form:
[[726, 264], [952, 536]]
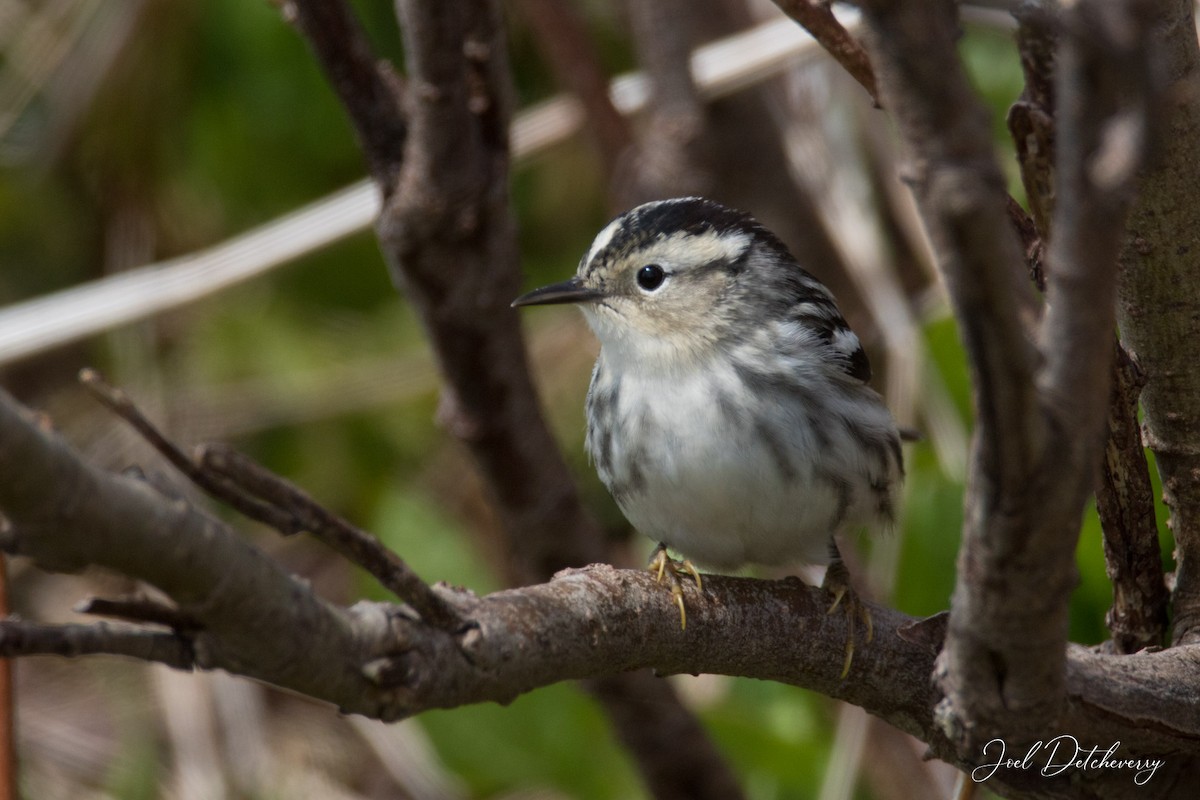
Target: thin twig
[[18, 638], [260, 495], [816, 17], [139, 608], [118, 402], [366, 85], [355, 544]]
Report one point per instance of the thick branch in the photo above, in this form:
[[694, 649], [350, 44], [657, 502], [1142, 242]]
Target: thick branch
[[1160, 301], [960, 188], [257, 620], [1035, 451], [1124, 496], [449, 239], [379, 660]]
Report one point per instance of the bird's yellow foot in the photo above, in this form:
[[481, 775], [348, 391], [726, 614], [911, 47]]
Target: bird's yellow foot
[[663, 566], [837, 582]]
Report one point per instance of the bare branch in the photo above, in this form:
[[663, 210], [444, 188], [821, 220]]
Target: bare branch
[[379, 660], [141, 609], [261, 495], [1031, 118], [366, 86], [118, 402], [353, 543], [1160, 301], [447, 234], [257, 620], [816, 17], [19, 638], [960, 188], [1124, 495], [449, 239], [1125, 500], [1035, 448]]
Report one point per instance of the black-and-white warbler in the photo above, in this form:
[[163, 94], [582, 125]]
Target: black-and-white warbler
[[729, 412]]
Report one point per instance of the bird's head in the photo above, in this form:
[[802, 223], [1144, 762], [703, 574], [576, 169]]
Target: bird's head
[[667, 282]]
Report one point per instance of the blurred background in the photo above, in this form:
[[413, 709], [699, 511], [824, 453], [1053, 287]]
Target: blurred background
[[152, 132]]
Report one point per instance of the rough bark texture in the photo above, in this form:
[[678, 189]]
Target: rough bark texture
[[1124, 496], [1125, 501], [1040, 411], [1160, 302]]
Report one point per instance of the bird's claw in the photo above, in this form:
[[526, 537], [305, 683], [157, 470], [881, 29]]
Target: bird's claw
[[837, 581], [665, 567]]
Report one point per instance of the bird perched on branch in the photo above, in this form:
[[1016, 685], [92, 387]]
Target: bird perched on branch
[[729, 412]]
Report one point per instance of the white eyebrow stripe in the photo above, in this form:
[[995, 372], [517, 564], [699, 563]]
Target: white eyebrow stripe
[[603, 238], [699, 248]]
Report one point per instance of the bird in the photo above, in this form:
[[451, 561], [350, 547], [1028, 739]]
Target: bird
[[729, 413]]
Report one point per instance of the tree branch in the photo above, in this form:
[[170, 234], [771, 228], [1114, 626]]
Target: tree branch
[[1125, 501], [816, 17], [1160, 302], [19, 638], [367, 87], [379, 660], [1124, 496], [1035, 448], [257, 620], [260, 495]]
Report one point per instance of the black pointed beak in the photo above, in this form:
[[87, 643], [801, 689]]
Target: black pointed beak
[[569, 291]]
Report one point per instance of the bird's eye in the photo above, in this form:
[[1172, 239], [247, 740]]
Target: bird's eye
[[650, 277]]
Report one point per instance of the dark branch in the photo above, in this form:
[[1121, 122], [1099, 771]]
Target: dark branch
[[1125, 500], [1124, 495], [1160, 301], [367, 87], [305, 514], [261, 495], [28, 639], [141, 609], [1031, 118], [379, 660], [816, 17], [1036, 448], [447, 234], [256, 619]]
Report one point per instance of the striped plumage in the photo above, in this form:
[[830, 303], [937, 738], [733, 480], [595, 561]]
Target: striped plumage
[[729, 412]]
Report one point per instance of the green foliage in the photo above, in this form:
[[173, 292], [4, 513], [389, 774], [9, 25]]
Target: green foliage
[[552, 738]]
